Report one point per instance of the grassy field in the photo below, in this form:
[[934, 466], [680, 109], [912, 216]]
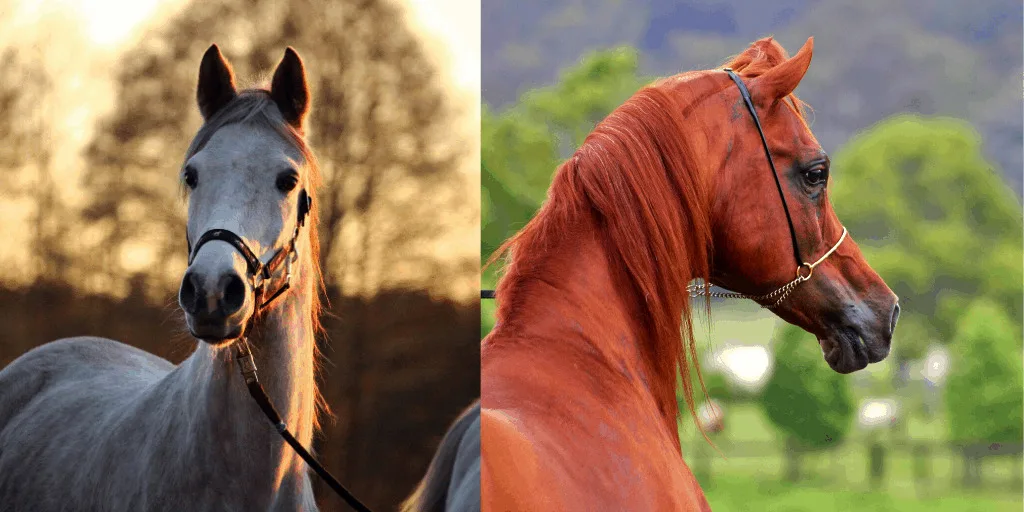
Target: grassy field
[[749, 471], [746, 473], [743, 493]]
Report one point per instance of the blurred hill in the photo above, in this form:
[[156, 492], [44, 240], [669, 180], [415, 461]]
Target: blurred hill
[[873, 58]]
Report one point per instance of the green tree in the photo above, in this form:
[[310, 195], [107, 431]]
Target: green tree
[[983, 395], [935, 220], [522, 146], [811, 405]]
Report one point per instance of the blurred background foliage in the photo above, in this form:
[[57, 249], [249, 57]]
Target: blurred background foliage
[[97, 109], [921, 112]]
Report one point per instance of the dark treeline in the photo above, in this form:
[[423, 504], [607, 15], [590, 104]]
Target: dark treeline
[[391, 398]]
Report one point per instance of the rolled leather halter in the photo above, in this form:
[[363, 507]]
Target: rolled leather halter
[[804, 270], [260, 273], [782, 292]]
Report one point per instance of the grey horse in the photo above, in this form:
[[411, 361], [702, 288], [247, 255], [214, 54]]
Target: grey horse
[[90, 424]]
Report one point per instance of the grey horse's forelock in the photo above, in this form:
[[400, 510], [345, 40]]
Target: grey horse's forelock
[[251, 106]]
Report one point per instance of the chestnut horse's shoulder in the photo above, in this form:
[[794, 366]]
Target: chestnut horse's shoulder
[[510, 476]]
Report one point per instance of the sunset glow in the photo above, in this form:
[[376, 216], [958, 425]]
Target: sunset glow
[[456, 24], [109, 22]]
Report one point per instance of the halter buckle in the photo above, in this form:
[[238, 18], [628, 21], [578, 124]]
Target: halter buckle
[[258, 280], [247, 365]]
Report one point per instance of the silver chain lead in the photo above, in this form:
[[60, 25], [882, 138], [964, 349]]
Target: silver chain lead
[[701, 290]]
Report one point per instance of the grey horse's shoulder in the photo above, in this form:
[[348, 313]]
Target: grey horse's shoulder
[[83, 351]]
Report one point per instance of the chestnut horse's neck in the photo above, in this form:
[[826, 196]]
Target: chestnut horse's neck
[[581, 301]]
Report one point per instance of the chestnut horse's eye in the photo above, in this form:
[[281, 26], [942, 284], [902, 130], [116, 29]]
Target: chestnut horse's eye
[[816, 175], [286, 181], [191, 177]]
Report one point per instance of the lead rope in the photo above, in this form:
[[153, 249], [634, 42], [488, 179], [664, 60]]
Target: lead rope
[[246, 364], [247, 367]]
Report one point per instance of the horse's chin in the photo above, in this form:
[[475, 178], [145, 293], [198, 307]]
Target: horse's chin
[[215, 333], [845, 351]]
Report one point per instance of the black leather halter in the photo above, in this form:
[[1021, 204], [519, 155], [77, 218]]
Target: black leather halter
[[260, 273], [745, 94]]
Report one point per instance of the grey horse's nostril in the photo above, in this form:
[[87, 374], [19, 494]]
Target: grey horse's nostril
[[189, 294], [895, 318], [234, 294]]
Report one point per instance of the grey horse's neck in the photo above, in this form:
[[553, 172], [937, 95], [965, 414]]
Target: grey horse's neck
[[226, 417]]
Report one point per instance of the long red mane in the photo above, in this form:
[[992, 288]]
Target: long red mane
[[638, 174]]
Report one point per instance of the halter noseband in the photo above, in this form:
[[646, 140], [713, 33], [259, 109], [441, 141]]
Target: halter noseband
[[260, 273]]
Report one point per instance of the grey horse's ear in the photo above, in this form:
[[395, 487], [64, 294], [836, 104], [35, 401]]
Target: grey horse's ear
[[289, 89], [216, 83]]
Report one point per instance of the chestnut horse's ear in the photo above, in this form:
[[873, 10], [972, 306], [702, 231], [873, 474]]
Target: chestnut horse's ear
[[781, 80], [289, 89], [216, 83]]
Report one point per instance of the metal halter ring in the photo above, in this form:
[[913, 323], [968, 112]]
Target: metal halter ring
[[810, 271]]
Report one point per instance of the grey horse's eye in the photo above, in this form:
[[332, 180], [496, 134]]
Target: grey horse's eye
[[191, 177], [286, 181]]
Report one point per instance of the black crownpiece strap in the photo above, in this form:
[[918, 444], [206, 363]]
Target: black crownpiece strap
[[745, 94]]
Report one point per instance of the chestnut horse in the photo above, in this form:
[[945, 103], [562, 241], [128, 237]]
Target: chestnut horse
[[593, 325]]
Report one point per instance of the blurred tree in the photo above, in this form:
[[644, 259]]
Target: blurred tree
[[934, 219], [984, 399], [27, 155], [381, 119], [811, 405], [387, 137], [523, 145]]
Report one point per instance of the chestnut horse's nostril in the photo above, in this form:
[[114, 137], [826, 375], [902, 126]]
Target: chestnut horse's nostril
[[190, 293], [234, 294], [895, 318]]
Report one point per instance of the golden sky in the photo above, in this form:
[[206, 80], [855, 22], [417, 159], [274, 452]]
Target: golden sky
[[81, 41]]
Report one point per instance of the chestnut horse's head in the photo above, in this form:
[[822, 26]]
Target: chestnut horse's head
[[844, 303]]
